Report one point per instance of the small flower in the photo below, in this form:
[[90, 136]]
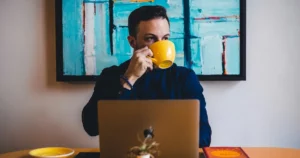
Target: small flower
[[148, 146]]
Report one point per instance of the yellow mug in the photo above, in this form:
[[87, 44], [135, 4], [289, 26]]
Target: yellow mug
[[163, 53]]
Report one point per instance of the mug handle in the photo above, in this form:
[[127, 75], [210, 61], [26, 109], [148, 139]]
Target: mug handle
[[153, 60]]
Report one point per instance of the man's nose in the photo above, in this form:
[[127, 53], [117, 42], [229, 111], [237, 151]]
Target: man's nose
[[159, 39]]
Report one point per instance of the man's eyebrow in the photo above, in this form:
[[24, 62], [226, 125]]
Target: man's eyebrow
[[149, 34]]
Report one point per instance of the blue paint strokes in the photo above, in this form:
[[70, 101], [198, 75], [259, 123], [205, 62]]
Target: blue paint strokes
[[211, 20], [211, 52], [102, 48], [99, 40], [95, 1], [215, 4], [187, 31], [231, 36], [72, 38], [176, 16], [232, 56], [196, 64], [123, 50], [179, 45]]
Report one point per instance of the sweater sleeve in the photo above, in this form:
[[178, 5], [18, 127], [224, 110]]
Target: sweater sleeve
[[193, 90], [107, 87]]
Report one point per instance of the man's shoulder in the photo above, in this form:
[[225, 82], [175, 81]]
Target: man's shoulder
[[182, 70], [110, 70], [181, 73]]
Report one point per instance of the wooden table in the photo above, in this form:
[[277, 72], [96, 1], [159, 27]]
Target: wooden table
[[252, 153]]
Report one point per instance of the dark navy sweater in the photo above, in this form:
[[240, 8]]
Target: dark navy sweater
[[173, 83]]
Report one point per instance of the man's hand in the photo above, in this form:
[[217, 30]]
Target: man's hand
[[138, 65]]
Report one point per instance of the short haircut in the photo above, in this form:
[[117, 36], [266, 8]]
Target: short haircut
[[145, 13]]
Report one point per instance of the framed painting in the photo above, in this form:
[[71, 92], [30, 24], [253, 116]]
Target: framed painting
[[209, 36]]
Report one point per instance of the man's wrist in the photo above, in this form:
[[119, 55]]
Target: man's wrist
[[131, 79], [128, 78]]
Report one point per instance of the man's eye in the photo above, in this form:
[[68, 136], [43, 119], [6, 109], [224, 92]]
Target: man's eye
[[149, 39]]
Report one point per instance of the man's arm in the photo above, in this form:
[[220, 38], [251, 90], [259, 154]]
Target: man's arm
[[108, 87], [193, 90]]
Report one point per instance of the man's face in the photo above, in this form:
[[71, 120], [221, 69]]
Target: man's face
[[149, 32]]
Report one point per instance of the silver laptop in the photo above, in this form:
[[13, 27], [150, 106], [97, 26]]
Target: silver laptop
[[175, 124]]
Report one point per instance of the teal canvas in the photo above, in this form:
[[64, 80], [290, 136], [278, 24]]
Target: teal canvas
[[209, 36]]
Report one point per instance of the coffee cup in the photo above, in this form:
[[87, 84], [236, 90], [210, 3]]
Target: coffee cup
[[163, 53]]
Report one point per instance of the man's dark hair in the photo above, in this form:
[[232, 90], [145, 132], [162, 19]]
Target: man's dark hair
[[145, 13]]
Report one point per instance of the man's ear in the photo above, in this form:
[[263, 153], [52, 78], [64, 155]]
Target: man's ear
[[132, 41]]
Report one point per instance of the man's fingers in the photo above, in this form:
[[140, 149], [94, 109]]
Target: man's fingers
[[149, 53], [145, 52], [142, 49], [147, 65], [150, 66], [148, 60]]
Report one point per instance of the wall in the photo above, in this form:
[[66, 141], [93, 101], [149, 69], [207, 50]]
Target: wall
[[36, 111]]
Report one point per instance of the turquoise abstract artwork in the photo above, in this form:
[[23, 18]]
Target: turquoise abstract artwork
[[209, 36]]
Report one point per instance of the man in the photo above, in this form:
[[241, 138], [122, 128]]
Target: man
[[137, 78]]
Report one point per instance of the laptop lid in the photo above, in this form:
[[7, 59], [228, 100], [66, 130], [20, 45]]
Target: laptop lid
[[175, 124]]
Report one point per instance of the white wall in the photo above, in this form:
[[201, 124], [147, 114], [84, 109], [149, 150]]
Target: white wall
[[36, 111]]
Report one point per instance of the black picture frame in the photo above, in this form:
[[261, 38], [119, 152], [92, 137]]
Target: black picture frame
[[60, 77]]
